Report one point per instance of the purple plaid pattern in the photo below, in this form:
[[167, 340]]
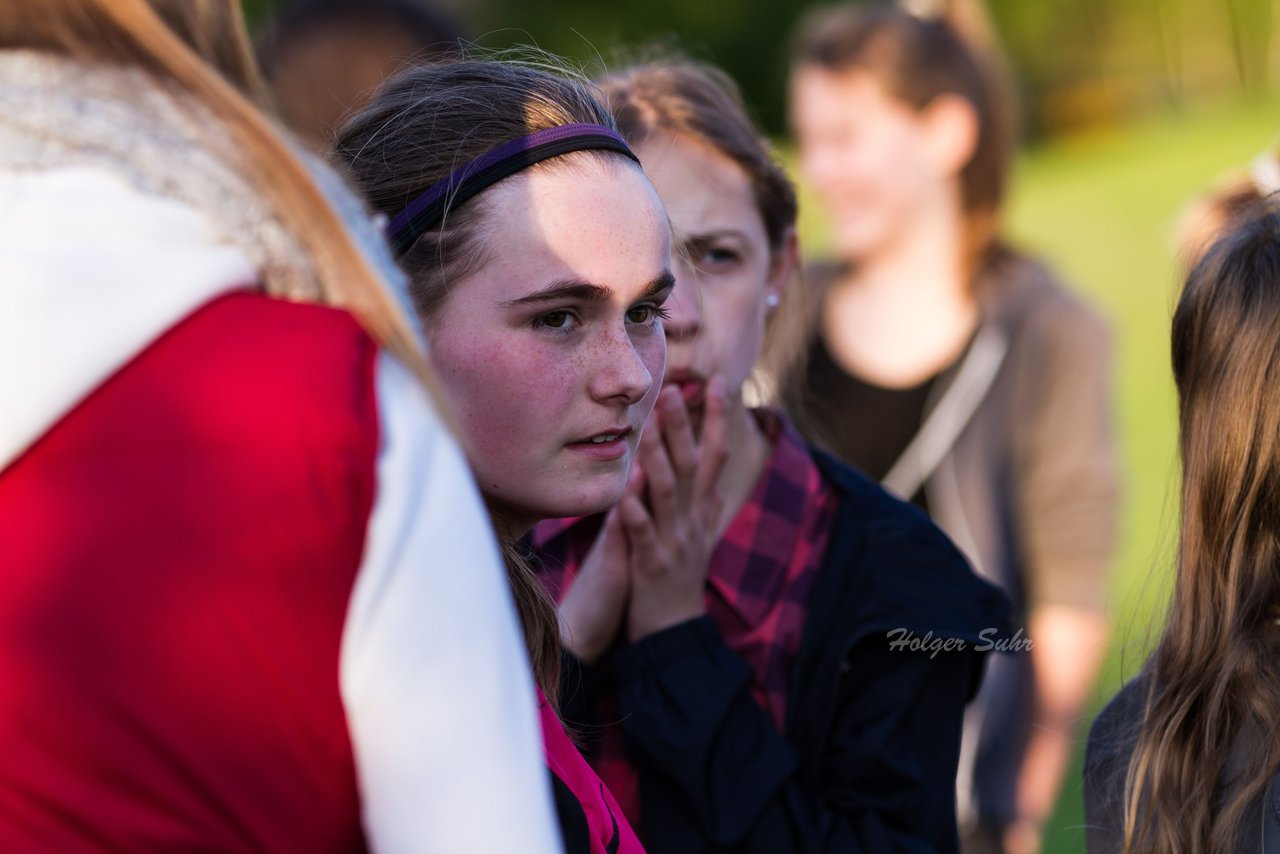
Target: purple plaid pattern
[[761, 574], [765, 564]]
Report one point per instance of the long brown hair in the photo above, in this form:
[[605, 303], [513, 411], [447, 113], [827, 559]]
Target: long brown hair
[[200, 47], [1213, 677], [669, 94], [918, 58], [422, 125]]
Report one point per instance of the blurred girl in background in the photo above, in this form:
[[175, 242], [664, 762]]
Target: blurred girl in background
[[743, 617], [1185, 758], [250, 599], [325, 58], [538, 256], [957, 371]]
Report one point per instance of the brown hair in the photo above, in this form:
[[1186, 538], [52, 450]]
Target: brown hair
[[1232, 201], [1213, 675], [325, 58], [680, 97], [917, 59], [192, 44], [424, 124]]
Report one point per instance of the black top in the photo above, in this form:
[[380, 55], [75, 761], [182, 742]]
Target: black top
[[868, 758], [866, 425]]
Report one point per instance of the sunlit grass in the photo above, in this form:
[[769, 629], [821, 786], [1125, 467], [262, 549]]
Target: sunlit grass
[[1101, 208]]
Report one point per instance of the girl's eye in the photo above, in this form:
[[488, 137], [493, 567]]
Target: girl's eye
[[647, 313], [714, 258], [558, 320]]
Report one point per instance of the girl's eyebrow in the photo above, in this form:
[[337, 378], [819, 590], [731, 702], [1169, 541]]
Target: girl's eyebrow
[[691, 242], [665, 282], [586, 292], [570, 290], [708, 236]]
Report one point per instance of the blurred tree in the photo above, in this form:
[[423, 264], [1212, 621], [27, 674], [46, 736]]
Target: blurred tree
[[257, 11], [1166, 21], [1251, 42], [750, 39], [1077, 61]]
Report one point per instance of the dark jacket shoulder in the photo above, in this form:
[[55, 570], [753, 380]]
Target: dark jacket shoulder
[[898, 569], [1112, 740]]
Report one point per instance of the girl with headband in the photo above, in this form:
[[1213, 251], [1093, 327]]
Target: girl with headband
[[958, 371], [538, 256], [764, 705], [249, 595]]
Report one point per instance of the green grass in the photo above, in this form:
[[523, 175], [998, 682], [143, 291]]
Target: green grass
[[1102, 208]]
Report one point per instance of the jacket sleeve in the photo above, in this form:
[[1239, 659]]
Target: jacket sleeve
[[435, 681], [717, 775], [1112, 740], [1067, 483]]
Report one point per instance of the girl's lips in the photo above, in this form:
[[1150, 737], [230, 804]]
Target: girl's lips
[[692, 390], [614, 449]]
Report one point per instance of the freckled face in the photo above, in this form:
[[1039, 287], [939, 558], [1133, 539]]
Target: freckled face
[[723, 265], [552, 353]]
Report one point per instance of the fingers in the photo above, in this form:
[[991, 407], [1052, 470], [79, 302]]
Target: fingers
[[670, 450], [682, 474], [642, 540], [592, 608], [712, 449], [666, 531], [611, 542], [715, 512], [635, 477], [677, 435], [661, 485]]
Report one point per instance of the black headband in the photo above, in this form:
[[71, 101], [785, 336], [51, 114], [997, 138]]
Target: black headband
[[428, 207]]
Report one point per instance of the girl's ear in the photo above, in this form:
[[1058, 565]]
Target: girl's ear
[[782, 267], [951, 126]]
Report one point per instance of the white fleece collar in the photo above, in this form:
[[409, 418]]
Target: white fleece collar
[[91, 271]]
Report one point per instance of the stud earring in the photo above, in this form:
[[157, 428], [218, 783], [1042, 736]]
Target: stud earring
[[771, 301]]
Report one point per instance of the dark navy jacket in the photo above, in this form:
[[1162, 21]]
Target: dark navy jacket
[[1112, 740], [868, 761]]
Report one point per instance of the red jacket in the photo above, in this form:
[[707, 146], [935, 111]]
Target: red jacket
[[249, 598]]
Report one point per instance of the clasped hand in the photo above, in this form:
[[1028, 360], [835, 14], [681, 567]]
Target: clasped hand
[[648, 565]]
